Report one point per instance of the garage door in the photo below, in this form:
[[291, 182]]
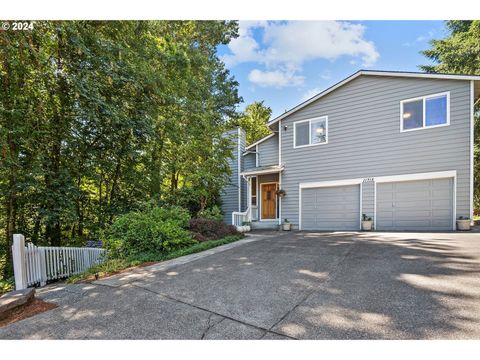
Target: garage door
[[331, 208], [415, 205]]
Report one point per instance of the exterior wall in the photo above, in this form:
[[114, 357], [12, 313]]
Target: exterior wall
[[243, 182], [231, 196], [249, 161], [268, 152], [364, 138]]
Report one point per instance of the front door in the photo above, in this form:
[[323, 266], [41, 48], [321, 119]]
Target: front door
[[269, 201]]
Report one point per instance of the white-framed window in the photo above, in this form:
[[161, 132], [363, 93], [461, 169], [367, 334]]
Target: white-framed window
[[254, 191], [425, 112], [310, 132]]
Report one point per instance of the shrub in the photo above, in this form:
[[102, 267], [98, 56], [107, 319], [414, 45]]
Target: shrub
[[156, 230], [208, 229], [213, 213]]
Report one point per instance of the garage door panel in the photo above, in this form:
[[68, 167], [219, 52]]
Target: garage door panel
[[331, 208], [415, 205]]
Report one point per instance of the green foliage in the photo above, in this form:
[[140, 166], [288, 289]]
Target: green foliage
[[6, 285], [254, 121], [156, 230], [101, 118], [210, 229], [115, 265], [213, 213], [459, 53]]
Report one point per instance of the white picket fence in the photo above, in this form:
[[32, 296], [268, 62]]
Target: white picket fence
[[35, 265]]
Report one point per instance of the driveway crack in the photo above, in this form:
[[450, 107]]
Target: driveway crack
[[210, 312], [335, 267]]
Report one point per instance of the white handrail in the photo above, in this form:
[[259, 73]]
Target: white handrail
[[238, 218]]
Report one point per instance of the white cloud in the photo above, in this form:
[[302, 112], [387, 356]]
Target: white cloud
[[286, 46], [275, 78], [310, 93]]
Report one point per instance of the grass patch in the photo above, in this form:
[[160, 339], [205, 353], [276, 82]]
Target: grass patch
[[114, 266]]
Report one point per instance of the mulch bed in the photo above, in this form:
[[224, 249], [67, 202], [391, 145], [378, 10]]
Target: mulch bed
[[35, 307]]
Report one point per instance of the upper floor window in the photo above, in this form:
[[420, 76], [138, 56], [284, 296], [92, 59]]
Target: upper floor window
[[425, 112], [310, 132]]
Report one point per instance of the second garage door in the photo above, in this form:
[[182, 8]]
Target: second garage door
[[331, 208], [415, 205]]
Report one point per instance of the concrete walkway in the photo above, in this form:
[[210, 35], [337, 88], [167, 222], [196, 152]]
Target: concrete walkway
[[282, 286]]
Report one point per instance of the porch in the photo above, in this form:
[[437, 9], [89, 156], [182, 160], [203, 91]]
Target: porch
[[263, 200]]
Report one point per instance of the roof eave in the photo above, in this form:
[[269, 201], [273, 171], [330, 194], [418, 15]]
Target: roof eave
[[372, 73]]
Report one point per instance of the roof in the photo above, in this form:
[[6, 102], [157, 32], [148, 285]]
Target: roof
[[271, 169], [259, 141], [379, 73]]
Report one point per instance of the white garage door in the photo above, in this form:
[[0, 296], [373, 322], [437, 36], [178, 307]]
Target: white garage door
[[415, 205], [331, 208]]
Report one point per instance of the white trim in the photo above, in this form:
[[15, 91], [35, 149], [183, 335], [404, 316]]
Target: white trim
[[372, 73], [333, 183], [260, 141], [324, 117], [472, 134], [418, 176], [263, 172], [374, 205], [454, 225], [239, 169], [280, 173], [330, 183], [424, 99], [361, 207], [256, 156], [299, 207], [261, 200]]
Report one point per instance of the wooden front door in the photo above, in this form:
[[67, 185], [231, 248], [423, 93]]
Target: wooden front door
[[269, 201]]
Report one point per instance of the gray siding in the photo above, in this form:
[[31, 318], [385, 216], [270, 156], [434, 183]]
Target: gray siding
[[268, 152], [230, 194], [243, 182], [249, 161], [364, 138]]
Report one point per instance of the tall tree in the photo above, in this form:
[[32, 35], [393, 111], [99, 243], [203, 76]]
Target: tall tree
[[254, 121], [99, 118], [459, 53]]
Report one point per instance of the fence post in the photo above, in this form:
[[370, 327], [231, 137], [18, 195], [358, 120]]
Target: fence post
[[43, 266], [19, 265]]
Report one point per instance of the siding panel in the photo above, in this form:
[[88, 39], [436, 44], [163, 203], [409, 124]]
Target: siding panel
[[268, 152]]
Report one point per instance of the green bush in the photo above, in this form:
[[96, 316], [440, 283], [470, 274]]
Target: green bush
[[156, 230], [6, 285], [213, 213]]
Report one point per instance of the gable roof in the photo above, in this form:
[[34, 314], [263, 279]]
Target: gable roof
[[373, 73]]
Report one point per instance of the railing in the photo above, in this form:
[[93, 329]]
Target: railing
[[35, 265], [238, 218]]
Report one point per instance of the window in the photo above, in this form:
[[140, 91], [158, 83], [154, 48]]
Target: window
[[425, 112], [254, 191], [311, 132]]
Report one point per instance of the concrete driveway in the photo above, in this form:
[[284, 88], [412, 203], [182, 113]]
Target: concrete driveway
[[282, 286]]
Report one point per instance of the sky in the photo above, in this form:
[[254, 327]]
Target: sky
[[286, 62]]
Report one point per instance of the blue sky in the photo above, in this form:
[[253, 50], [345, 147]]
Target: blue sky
[[285, 62]]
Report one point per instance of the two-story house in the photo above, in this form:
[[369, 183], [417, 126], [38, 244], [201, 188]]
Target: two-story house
[[395, 146]]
